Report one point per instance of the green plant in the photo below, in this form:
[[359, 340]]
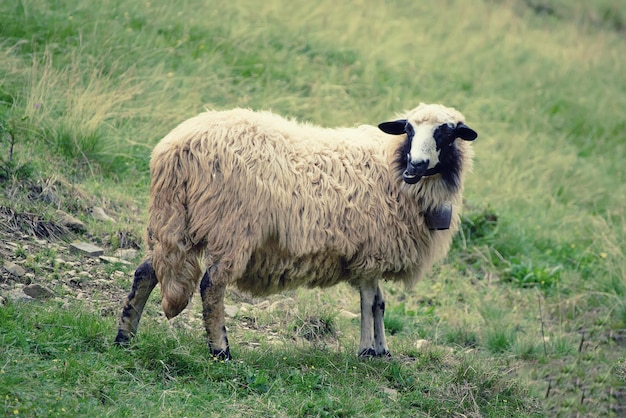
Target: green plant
[[525, 274], [499, 339], [9, 166]]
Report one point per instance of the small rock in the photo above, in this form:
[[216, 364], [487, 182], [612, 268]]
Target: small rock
[[71, 222], [87, 249], [245, 307], [14, 269], [17, 295], [263, 304], [99, 215], [391, 393], [36, 291], [347, 314], [126, 253], [231, 310], [112, 260], [419, 344]]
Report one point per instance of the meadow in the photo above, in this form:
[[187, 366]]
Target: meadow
[[526, 316]]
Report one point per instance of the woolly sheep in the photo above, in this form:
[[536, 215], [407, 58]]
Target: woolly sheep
[[268, 204]]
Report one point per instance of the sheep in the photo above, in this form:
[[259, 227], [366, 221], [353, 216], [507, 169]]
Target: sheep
[[267, 204]]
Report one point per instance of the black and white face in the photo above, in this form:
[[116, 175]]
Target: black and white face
[[429, 146], [424, 151]]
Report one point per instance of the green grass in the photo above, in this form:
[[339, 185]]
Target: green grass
[[59, 361], [535, 281]]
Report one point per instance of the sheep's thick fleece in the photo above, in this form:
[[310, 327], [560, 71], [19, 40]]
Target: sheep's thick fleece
[[267, 204]]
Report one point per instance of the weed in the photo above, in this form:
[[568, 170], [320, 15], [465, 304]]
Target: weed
[[257, 382], [499, 339], [524, 274], [461, 336], [393, 324], [20, 251], [316, 328], [561, 347], [477, 227], [526, 348], [10, 168]]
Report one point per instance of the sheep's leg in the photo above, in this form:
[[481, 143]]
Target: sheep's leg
[[380, 341], [144, 282], [213, 315], [373, 342]]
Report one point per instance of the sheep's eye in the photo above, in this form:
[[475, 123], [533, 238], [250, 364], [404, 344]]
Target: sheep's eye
[[444, 134]]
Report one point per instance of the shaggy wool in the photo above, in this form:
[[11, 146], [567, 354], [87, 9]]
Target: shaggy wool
[[271, 204]]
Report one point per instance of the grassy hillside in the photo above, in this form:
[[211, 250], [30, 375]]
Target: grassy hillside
[[527, 316]]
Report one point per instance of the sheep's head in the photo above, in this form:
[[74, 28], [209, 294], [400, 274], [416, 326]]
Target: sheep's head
[[431, 142]]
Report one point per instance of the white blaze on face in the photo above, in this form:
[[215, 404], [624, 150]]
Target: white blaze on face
[[423, 146]]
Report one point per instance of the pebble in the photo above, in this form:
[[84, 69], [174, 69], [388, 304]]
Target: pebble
[[100, 215], [87, 249], [112, 260], [37, 291], [420, 344], [245, 307], [126, 253], [231, 310], [14, 269], [17, 294], [347, 314], [71, 222], [391, 393]]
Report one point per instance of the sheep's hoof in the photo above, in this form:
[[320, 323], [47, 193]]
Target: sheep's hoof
[[122, 339], [371, 353], [367, 353], [221, 355]]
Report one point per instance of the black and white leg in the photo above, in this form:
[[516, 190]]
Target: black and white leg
[[380, 341], [373, 341], [144, 282], [213, 316]]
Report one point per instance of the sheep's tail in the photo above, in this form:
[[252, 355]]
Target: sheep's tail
[[175, 258]]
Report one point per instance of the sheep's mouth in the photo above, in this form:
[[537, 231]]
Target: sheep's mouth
[[411, 178]]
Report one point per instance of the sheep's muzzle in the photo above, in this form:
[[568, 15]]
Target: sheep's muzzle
[[415, 171]]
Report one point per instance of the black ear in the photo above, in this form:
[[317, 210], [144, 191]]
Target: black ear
[[465, 132], [396, 127]]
